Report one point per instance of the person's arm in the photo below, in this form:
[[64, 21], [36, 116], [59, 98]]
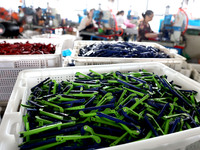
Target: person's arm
[[151, 35], [95, 24], [89, 21], [82, 24]]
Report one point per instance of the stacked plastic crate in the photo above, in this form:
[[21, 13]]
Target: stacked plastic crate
[[12, 123], [11, 65], [175, 60], [195, 71], [67, 39]]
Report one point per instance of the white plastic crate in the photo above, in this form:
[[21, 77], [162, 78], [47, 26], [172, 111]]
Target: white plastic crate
[[67, 39], [6, 89], [9, 73], [11, 65], [184, 68], [8, 82], [8, 78], [5, 92], [4, 97], [85, 61], [32, 61], [29, 33], [12, 123], [175, 60], [195, 66], [195, 71], [79, 44]]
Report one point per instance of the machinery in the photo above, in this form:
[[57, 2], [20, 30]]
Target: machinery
[[105, 18], [108, 22], [9, 29], [107, 25], [9, 24], [133, 17], [173, 31]]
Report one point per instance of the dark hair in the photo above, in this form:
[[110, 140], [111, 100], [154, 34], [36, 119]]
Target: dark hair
[[101, 13], [147, 13], [38, 9], [120, 12]]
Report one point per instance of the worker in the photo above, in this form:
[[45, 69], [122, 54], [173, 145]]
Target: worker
[[144, 29], [87, 25], [120, 23], [98, 20], [120, 19], [21, 16], [38, 19], [100, 24], [125, 25]]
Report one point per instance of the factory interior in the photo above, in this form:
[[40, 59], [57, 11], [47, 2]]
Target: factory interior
[[100, 74]]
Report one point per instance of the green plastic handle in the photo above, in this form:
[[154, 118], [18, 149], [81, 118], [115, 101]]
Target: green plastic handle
[[107, 122], [86, 85], [125, 100], [42, 121], [54, 87], [112, 81], [53, 105], [41, 129], [128, 110], [81, 74], [105, 97], [27, 106], [133, 133], [48, 146], [157, 83], [52, 99], [77, 137], [60, 98], [176, 115], [133, 91], [27, 126], [89, 129], [152, 111], [112, 89], [119, 139], [139, 101], [101, 76], [82, 114], [42, 112], [76, 107], [92, 114], [83, 95], [166, 128], [121, 97], [149, 134], [70, 88], [158, 126]]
